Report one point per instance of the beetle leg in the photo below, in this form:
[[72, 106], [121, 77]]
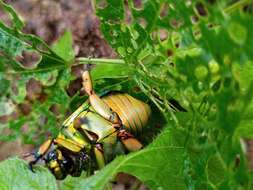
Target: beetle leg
[[81, 160], [42, 150], [99, 154], [129, 141], [97, 103], [68, 144]]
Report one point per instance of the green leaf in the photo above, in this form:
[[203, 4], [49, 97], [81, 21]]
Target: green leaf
[[10, 44], [64, 47], [161, 159], [15, 175], [17, 22], [237, 33], [215, 170], [244, 130], [107, 70], [16, 47]]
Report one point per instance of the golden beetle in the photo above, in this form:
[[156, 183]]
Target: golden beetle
[[102, 121]]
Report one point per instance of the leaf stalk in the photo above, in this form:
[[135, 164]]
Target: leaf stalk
[[85, 60], [236, 5]]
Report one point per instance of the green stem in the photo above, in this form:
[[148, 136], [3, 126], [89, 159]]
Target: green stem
[[84, 60], [79, 60], [236, 5]]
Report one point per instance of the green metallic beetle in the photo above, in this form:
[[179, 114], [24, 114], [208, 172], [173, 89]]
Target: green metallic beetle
[[106, 121]]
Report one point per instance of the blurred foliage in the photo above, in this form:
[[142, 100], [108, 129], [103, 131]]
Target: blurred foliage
[[197, 53], [14, 175]]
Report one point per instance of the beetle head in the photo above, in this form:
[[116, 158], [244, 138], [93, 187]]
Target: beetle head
[[58, 163], [62, 163]]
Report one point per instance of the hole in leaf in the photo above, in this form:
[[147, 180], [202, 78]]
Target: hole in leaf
[[25, 108], [74, 87], [172, 64], [42, 120], [113, 22], [5, 18], [197, 33], [138, 4], [136, 89], [29, 59], [216, 86], [176, 24], [125, 181], [77, 70], [14, 87], [42, 97], [163, 34], [3, 120], [201, 9], [55, 108], [194, 19], [169, 52], [128, 16], [7, 107], [164, 10], [142, 22], [33, 89], [153, 35], [210, 25]]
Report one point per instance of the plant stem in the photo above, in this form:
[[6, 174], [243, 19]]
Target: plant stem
[[85, 60], [236, 5]]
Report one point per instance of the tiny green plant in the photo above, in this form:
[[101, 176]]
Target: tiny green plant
[[195, 55]]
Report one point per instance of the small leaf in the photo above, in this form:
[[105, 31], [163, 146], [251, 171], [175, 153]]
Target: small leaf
[[107, 70], [237, 33], [201, 72], [64, 47], [215, 170]]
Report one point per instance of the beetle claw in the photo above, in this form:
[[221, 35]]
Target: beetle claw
[[31, 166], [27, 154]]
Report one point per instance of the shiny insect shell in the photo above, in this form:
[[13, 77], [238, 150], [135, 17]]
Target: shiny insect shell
[[100, 124]]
